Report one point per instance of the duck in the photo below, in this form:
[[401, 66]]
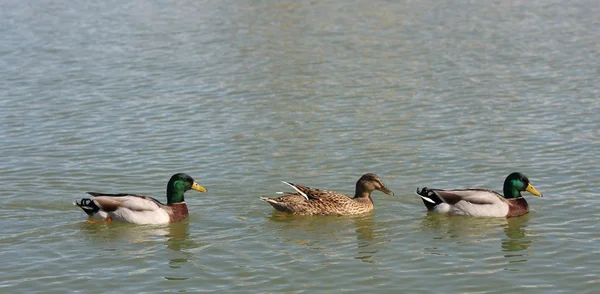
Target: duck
[[141, 209], [482, 202], [311, 201]]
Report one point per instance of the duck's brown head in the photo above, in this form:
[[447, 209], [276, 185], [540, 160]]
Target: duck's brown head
[[368, 183]]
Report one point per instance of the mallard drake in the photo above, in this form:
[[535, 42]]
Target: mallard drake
[[140, 209], [482, 202], [310, 201]]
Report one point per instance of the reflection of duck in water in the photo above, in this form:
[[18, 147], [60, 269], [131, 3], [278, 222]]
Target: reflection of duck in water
[[347, 233], [310, 201], [305, 230], [364, 228], [460, 227], [517, 239], [367, 238], [104, 232], [177, 235], [140, 209], [479, 230], [482, 202], [144, 241]]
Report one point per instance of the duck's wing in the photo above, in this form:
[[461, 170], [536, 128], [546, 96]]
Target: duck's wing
[[134, 202], [312, 193], [474, 196]]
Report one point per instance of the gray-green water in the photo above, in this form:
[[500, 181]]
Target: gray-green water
[[116, 96]]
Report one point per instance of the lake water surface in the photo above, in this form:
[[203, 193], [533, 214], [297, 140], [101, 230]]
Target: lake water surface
[[116, 96]]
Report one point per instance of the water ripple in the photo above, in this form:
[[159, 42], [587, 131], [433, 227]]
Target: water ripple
[[116, 97]]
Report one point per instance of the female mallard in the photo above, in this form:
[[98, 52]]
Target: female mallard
[[139, 209], [482, 202], [309, 201]]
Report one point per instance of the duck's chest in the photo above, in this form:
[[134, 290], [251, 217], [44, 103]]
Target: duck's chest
[[517, 207]]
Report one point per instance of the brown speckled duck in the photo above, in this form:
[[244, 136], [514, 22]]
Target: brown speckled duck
[[310, 201], [482, 202]]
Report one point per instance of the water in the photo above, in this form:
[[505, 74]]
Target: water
[[116, 96]]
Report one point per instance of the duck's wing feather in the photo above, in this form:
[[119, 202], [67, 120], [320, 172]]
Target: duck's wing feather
[[312, 193], [474, 196], [134, 202]]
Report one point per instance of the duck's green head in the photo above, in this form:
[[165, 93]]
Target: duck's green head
[[178, 184], [517, 182]]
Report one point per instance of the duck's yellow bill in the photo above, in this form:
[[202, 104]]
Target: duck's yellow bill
[[533, 191], [197, 187]]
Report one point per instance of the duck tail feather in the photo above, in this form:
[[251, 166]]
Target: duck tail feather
[[429, 197], [88, 205], [296, 188]]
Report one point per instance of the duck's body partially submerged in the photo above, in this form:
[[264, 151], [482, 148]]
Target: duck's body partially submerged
[[310, 201], [481, 202], [140, 209]]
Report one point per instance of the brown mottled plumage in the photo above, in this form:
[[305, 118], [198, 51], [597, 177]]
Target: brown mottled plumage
[[310, 201]]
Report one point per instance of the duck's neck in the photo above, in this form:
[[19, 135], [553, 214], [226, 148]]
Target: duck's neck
[[510, 192], [362, 194], [174, 194]]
